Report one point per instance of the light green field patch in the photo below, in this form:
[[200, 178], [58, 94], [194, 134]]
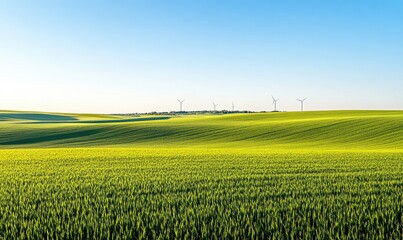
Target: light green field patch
[[309, 175], [184, 193], [296, 130]]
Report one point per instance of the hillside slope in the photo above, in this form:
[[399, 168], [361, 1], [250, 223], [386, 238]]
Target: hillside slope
[[321, 129]]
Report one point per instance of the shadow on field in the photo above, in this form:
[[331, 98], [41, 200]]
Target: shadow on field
[[106, 121], [35, 117], [63, 136]]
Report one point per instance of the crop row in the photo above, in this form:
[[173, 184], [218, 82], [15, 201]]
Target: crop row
[[129, 194]]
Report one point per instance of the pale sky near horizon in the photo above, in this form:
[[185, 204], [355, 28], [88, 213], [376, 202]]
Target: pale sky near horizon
[[140, 56]]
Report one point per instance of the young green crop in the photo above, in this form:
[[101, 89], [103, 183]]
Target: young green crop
[[358, 130], [126, 194], [310, 175]]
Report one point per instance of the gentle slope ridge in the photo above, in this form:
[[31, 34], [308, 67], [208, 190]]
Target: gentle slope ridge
[[320, 129]]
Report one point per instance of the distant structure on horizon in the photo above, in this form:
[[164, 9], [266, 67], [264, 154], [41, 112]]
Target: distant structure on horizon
[[180, 104], [275, 103], [302, 103], [215, 106]]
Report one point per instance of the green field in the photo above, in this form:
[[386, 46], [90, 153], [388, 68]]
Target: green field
[[296, 175]]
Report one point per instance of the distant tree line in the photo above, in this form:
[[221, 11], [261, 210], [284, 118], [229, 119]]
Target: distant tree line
[[186, 113]]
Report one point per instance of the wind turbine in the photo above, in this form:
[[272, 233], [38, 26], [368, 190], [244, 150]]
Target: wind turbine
[[180, 103], [233, 107], [215, 105], [302, 103], [275, 103]]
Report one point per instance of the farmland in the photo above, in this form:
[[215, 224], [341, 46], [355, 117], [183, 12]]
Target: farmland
[[323, 175]]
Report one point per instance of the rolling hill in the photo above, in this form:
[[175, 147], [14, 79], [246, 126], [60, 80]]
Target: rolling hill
[[295, 175], [382, 130]]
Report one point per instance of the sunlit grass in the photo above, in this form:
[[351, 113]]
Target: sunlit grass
[[311, 175]]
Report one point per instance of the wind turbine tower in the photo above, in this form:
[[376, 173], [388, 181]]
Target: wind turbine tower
[[275, 103], [180, 104], [302, 103], [215, 105], [233, 107]]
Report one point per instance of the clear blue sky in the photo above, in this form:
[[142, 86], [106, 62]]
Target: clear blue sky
[[137, 56]]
